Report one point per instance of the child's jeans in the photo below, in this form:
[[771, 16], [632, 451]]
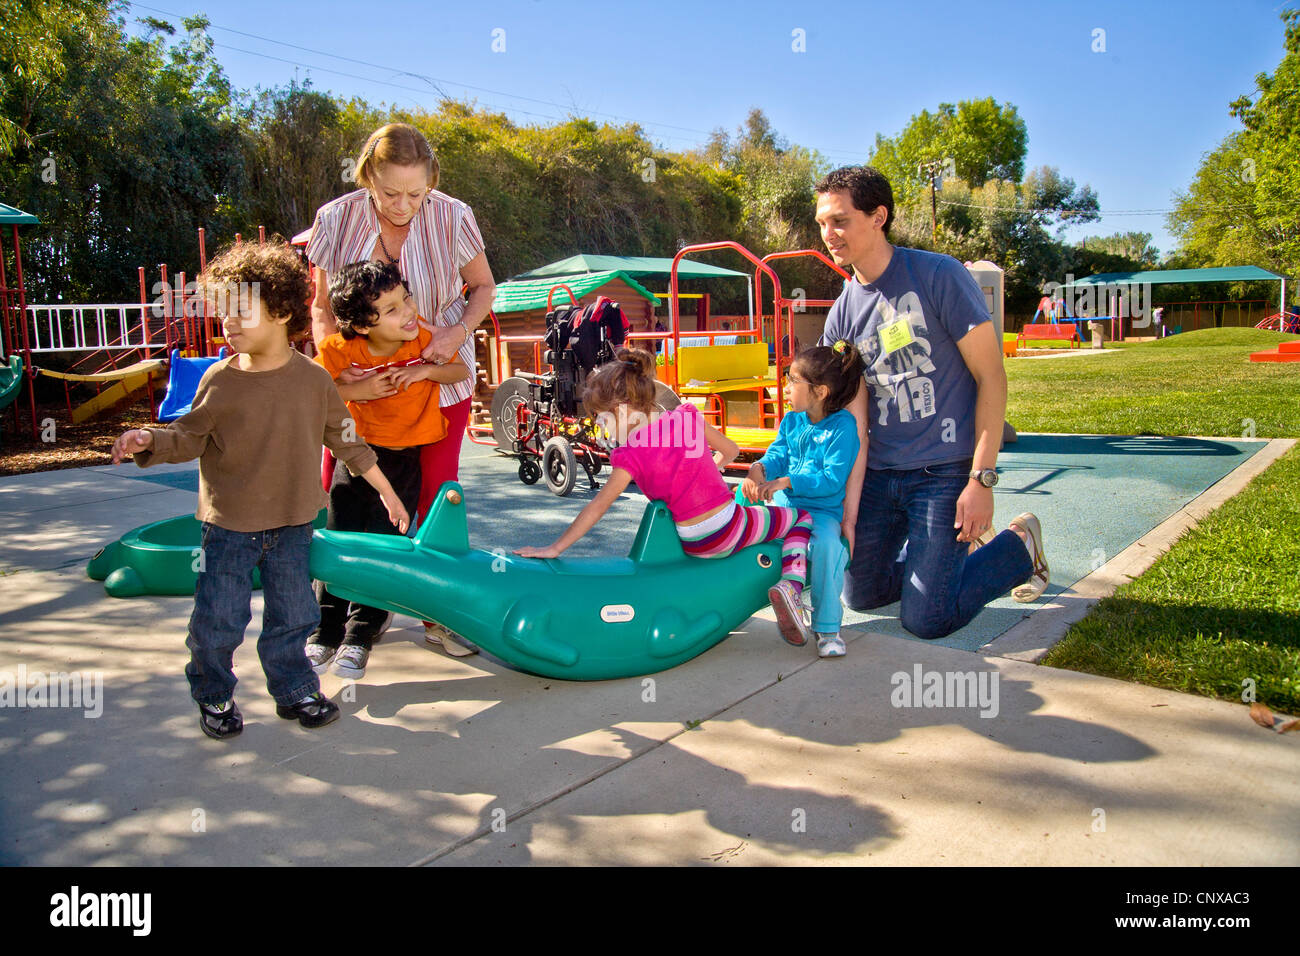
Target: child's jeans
[[356, 506], [827, 559], [222, 612]]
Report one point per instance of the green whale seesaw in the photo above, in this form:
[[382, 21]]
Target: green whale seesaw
[[571, 618], [157, 558]]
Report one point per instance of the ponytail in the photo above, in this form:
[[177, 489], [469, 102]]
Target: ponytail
[[629, 379], [839, 367]]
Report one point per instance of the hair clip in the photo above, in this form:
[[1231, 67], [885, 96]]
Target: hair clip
[[840, 346]]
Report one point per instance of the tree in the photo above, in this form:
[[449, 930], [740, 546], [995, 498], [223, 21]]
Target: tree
[[778, 203], [1132, 249], [31, 57], [300, 152], [1240, 206], [138, 147], [974, 140]]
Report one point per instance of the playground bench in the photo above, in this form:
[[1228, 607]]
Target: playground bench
[[1063, 333], [719, 375]]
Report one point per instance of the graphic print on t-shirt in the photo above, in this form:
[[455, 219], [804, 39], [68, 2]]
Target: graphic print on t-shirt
[[899, 379]]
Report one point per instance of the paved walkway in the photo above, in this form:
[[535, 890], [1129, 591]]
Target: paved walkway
[[755, 752]]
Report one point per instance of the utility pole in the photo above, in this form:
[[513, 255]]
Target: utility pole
[[931, 169]]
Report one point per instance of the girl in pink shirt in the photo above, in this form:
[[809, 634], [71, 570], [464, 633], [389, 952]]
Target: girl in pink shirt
[[665, 453]]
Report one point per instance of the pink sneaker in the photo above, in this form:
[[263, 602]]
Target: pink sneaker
[[789, 615]]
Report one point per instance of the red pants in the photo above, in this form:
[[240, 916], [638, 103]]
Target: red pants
[[440, 461]]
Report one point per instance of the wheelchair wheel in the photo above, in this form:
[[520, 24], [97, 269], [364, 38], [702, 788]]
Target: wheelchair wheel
[[529, 471], [665, 398], [559, 465], [509, 395]]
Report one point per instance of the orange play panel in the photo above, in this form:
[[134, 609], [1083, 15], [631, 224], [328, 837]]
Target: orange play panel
[[1285, 352]]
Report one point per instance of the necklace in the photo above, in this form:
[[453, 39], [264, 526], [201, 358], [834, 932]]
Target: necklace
[[382, 245]]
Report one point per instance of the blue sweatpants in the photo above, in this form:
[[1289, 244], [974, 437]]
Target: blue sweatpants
[[828, 556]]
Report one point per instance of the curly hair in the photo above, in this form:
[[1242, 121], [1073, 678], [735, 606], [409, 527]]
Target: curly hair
[[275, 274], [629, 379], [354, 290], [397, 144], [839, 367], [866, 186]]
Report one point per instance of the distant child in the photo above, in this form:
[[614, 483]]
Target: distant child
[[808, 466], [395, 411], [257, 424], [665, 453]]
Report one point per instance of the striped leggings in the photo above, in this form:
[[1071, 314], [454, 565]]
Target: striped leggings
[[754, 524]]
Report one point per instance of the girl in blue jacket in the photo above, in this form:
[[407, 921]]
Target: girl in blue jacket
[[808, 466]]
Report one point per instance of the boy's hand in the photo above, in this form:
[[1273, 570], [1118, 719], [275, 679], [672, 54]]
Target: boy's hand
[[407, 375], [550, 551], [396, 512], [130, 442], [375, 386], [749, 488]]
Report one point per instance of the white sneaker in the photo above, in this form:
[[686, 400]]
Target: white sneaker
[[351, 661], [435, 635], [319, 657], [789, 613], [830, 645]]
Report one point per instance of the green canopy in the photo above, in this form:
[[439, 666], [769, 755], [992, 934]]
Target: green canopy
[[1157, 276], [520, 296], [9, 216], [639, 266]]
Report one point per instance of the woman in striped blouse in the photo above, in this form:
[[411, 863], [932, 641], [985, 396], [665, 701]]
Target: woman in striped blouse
[[399, 216]]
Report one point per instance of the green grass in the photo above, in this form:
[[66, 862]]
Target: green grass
[[1196, 383], [1222, 606]]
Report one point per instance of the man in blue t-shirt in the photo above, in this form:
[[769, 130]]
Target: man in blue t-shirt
[[930, 416]]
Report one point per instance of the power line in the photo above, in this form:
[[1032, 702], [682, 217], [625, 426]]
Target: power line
[[434, 81]]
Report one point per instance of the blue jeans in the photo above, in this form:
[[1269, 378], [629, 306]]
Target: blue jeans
[[222, 612], [906, 549]]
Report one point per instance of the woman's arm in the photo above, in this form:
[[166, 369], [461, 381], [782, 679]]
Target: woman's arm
[[447, 339], [618, 481], [323, 323]]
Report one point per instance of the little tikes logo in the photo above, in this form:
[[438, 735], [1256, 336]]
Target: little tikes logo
[[77, 909]]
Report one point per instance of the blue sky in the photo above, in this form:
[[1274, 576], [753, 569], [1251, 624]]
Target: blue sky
[[1132, 121]]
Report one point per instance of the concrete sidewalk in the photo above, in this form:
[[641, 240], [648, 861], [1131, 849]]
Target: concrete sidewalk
[[755, 752]]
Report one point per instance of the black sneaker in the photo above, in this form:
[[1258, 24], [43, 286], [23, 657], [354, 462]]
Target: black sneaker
[[220, 723], [314, 711]]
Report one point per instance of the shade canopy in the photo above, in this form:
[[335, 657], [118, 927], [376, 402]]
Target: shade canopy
[[640, 267], [523, 295], [9, 216], [1158, 276]]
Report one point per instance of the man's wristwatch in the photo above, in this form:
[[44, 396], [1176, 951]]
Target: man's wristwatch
[[985, 476]]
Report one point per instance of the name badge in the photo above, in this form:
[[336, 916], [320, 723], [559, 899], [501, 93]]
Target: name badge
[[895, 335]]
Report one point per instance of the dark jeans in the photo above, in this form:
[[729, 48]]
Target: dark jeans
[[221, 612], [356, 506], [906, 550]]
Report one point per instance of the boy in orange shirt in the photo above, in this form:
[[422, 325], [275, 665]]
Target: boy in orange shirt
[[395, 411]]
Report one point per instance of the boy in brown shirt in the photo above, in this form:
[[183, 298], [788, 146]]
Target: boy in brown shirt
[[256, 425]]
